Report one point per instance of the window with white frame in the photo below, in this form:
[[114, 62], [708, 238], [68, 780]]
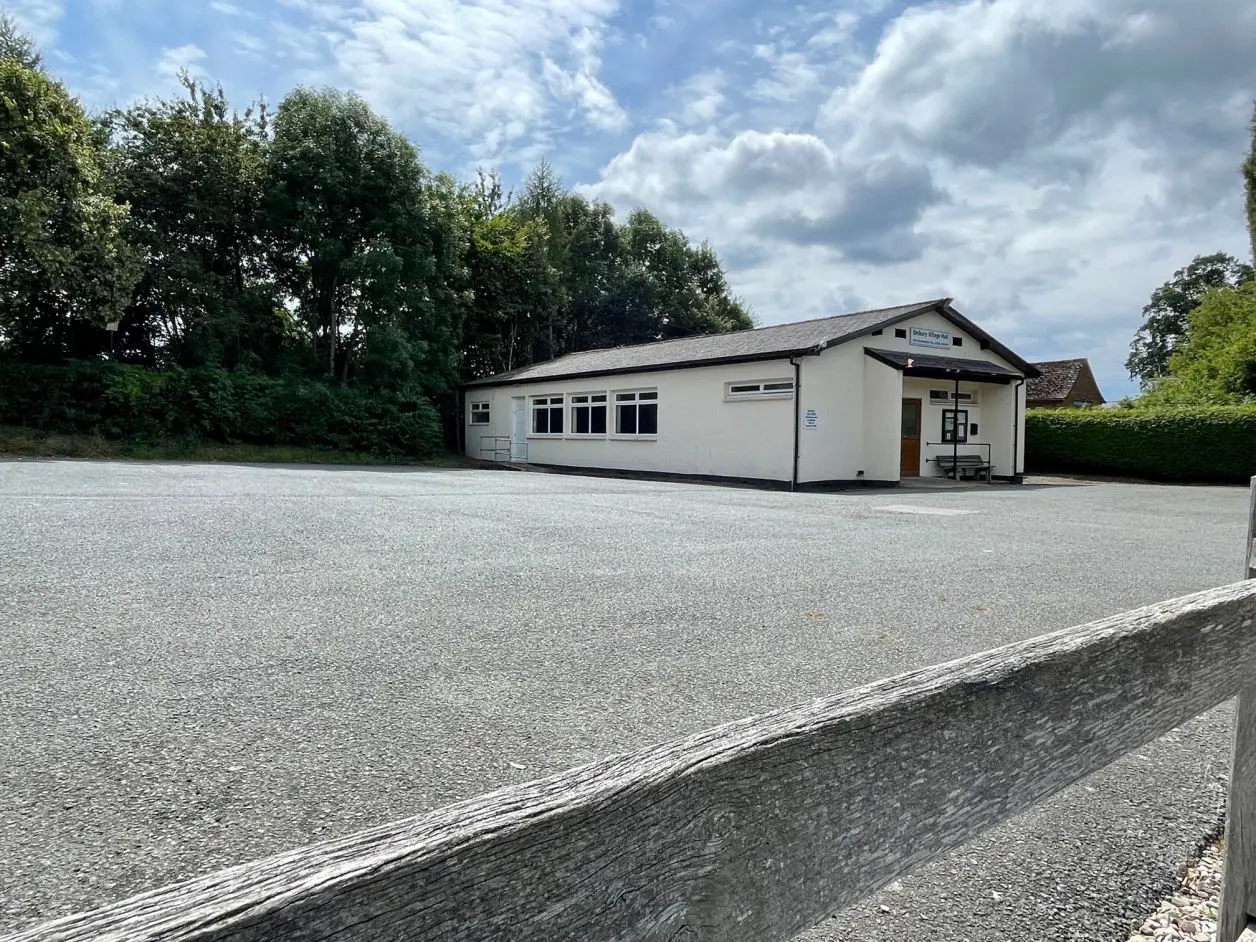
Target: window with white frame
[[479, 413], [946, 396], [547, 415], [637, 413], [760, 389], [588, 414]]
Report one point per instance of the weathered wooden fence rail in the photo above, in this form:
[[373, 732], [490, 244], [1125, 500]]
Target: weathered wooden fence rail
[[758, 829]]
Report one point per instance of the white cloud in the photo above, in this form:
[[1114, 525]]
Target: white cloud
[[700, 98], [582, 85], [39, 18], [494, 75], [1046, 164], [172, 61]]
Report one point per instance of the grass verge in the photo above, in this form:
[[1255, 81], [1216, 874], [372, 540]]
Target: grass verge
[[16, 442]]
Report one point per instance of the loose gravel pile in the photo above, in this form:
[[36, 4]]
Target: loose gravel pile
[[1189, 915]]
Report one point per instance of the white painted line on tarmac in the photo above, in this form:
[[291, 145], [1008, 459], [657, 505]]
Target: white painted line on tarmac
[[934, 511]]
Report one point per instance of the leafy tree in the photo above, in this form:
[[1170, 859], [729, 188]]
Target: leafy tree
[[1249, 181], [65, 268], [363, 240], [192, 171], [512, 286], [1165, 322], [1217, 363], [593, 248], [17, 46], [670, 289]]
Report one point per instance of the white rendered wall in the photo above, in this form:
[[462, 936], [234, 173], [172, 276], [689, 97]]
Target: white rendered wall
[[699, 432]]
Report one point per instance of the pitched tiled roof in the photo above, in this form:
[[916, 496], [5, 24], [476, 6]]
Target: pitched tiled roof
[[1055, 379], [762, 343]]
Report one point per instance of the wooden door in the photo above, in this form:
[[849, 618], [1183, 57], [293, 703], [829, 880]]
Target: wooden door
[[909, 460]]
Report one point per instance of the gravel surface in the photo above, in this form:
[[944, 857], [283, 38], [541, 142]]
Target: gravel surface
[[1190, 914], [205, 664]]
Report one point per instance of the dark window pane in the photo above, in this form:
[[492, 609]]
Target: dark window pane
[[599, 398], [625, 397], [626, 422], [911, 420], [556, 419], [540, 421], [900, 333], [598, 423], [581, 423], [648, 423], [647, 395], [957, 341]]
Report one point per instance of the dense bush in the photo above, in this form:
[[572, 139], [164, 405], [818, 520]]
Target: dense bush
[[1202, 444], [134, 404]]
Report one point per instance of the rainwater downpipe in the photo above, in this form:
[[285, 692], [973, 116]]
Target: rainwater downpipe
[[793, 481], [1016, 411]]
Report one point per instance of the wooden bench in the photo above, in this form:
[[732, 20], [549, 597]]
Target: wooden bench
[[964, 466]]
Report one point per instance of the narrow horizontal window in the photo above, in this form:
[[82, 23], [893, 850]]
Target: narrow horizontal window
[[947, 395], [766, 389]]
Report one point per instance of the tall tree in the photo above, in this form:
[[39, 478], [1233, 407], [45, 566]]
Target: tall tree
[[1165, 323], [592, 259], [65, 268], [542, 204], [191, 169], [363, 239], [1216, 365], [17, 46], [1249, 185]]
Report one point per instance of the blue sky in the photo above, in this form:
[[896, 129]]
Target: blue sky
[[1045, 164]]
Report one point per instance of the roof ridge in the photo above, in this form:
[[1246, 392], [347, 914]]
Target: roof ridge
[[806, 320]]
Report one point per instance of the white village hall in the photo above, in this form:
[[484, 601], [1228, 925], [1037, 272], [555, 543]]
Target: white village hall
[[865, 398]]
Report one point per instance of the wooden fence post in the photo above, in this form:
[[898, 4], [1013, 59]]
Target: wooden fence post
[[1238, 893]]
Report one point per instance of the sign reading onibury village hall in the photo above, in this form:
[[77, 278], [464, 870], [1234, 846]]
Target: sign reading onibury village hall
[[925, 337]]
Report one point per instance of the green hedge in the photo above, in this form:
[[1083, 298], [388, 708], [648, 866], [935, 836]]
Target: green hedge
[[1211, 444], [134, 404]]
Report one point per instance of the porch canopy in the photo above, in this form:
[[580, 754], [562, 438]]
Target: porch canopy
[[949, 368]]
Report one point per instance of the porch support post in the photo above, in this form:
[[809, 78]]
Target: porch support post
[[955, 431]]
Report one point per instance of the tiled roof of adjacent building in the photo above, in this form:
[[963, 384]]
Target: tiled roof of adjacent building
[[1055, 379], [762, 343]]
